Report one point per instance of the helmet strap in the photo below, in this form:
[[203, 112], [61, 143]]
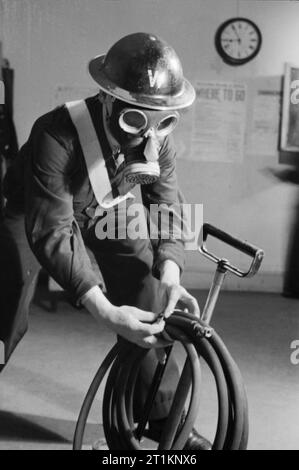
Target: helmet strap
[[107, 101]]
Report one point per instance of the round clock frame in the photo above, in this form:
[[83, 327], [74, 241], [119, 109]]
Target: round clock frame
[[255, 44]]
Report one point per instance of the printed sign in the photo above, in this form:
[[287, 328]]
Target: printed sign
[[218, 132]]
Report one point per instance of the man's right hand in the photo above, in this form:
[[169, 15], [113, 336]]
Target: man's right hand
[[135, 325]]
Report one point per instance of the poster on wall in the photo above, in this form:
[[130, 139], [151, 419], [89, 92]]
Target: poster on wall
[[218, 131], [264, 133], [290, 110]]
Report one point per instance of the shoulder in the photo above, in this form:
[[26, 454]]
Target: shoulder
[[58, 124]]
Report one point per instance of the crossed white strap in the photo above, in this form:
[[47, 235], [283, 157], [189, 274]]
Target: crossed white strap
[[93, 155]]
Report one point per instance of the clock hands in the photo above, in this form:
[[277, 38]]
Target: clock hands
[[236, 33], [240, 47]]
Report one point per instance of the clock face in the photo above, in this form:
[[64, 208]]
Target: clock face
[[238, 40]]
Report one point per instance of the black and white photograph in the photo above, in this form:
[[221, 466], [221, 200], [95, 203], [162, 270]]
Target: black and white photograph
[[149, 228]]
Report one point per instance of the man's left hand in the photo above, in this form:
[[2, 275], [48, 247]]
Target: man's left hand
[[172, 293]]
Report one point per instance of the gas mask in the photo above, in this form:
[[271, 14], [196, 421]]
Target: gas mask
[[140, 133]]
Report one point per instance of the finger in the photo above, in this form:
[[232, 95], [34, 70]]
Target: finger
[[192, 304], [144, 315], [173, 299], [148, 329]]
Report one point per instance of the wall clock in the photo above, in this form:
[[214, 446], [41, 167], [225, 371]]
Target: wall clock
[[238, 40]]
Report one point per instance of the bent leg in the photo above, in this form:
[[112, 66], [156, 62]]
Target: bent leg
[[126, 266], [18, 274]]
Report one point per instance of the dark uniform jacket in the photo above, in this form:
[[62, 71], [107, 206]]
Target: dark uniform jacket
[[50, 174]]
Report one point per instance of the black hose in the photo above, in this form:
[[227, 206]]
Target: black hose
[[199, 341]]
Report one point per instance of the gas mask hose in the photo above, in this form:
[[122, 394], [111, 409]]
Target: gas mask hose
[[200, 342]]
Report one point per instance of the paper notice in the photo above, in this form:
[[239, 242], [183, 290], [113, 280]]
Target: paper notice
[[218, 131]]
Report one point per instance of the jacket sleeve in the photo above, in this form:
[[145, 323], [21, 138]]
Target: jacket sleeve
[[52, 231], [163, 200]]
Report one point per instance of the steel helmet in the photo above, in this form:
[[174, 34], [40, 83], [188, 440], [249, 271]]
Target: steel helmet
[[143, 70]]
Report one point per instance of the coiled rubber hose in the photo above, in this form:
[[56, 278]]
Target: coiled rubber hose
[[199, 341]]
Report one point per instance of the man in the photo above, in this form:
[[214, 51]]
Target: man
[[77, 167]]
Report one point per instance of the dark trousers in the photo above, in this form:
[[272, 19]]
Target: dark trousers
[[125, 265]]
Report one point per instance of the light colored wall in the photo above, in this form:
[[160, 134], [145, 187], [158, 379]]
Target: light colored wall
[[49, 42]]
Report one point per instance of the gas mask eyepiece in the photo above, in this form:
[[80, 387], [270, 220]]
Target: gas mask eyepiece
[[139, 122]]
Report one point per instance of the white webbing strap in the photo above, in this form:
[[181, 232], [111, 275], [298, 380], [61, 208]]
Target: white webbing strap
[[96, 167]]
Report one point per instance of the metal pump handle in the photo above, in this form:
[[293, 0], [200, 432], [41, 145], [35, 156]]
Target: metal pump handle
[[253, 251]]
